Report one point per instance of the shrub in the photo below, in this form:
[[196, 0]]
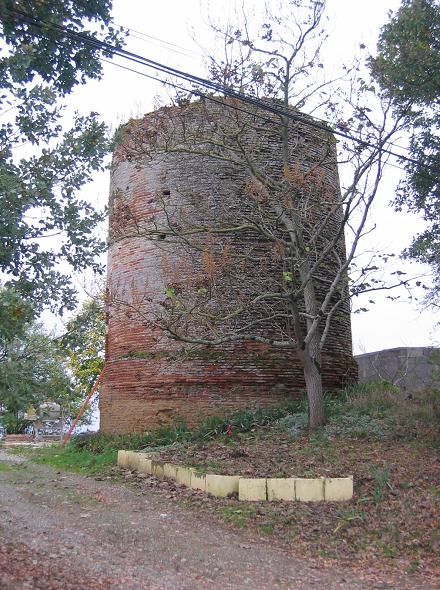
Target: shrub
[[213, 427], [293, 423]]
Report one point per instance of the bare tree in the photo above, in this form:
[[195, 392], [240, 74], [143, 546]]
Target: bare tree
[[265, 248]]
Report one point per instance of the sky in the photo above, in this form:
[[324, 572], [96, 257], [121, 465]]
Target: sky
[[174, 32]]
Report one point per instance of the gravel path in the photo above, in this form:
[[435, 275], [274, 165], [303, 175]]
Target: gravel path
[[60, 531]]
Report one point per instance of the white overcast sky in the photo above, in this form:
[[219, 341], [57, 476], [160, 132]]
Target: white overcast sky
[[164, 34]]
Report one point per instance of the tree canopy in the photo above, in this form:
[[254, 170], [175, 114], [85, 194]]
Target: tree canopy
[[83, 344], [32, 371], [43, 165], [407, 66]]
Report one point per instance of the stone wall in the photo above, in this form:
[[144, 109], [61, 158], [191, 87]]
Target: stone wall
[[409, 368], [151, 380]]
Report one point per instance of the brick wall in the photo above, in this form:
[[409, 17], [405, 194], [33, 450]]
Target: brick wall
[[151, 380]]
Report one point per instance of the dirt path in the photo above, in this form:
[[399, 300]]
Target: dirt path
[[61, 531]]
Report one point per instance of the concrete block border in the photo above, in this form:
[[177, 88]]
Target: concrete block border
[[300, 489]]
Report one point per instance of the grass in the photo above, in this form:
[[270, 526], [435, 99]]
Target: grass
[[4, 466], [71, 459], [366, 411], [94, 453], [238, 517], [360, 411], [382, 436], [212, 428], [381, 478]]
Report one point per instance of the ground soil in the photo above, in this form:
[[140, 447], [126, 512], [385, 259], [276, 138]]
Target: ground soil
[[61, 531], [393, 517]]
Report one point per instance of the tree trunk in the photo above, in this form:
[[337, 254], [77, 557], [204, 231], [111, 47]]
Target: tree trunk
[[313, 379]]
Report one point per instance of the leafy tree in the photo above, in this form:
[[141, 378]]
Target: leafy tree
[[15, 317], [83, 343], [407, 66], [32, 371], [42, 166], [291, 213]]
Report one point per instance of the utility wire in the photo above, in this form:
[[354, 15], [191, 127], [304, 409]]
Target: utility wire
[[113, 50], [190, 91], [264, 105], [222, 103], [186, 53], [181, 50]]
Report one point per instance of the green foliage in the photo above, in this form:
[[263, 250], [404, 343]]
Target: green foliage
[[294, 423], [356, 425], [408, 60], [39, 193], [31, 372], [84, 342], [364, 410], [407, 66], [101, 443], [381, 479], [212, 428], [35, 51], [13, 424], [379, 409], [15, 316], [239, 517], [71, 459]]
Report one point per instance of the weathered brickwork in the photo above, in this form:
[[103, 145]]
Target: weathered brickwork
[[151, 380]]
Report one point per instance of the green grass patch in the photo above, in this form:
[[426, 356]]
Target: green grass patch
[[4, 466], [238, 517], [212, 428], [70, 459], [367, 411]]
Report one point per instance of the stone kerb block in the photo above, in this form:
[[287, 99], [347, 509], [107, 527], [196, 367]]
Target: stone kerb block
[[145, 464], [331, 489], [309, 490], [157, 468], [183, 476], [222, 485], [132, 460], [338, 489], [169, 470], [122, 459], [281, 489], [198, 480], [137, 460], [252, 489], [128, 459]]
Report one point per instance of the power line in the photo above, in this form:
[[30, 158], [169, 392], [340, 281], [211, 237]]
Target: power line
[[186, 53], [163, 42], [222, 103], [12, 107], [190, 91], [113, 50], [136, 58]]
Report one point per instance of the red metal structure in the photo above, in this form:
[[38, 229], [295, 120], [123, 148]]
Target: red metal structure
[[81, 412]]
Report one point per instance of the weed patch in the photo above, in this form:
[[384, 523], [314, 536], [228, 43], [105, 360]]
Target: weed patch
[[71, 459], [381, 479], [4, 466], [238, 517], [212, 428]]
